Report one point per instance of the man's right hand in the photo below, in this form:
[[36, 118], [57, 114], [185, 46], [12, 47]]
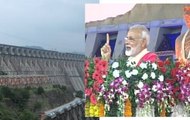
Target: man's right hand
[[106, 49]]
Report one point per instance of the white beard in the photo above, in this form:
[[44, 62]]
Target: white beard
[[133, 51], [128, 52]]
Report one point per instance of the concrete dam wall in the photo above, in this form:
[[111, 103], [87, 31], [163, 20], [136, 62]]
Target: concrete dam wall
[[28, 66]]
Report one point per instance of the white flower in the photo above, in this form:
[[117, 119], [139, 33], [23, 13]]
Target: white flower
[[145, 76], [124, 82], [98, 98], [154, 65], [154, 88], [111, 90], [128, 74], [136, 92], [107, 106], [161, 78], [103, 76], [143, 65], [110, 96], [140, 85], [153, 75], [130, 64], [100, 94], [116, 73], [188, 98], [102, 87], [152, 100], [134, 72], [115, 65], [125, 96]]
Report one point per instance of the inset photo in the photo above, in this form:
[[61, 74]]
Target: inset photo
[[137, 60]]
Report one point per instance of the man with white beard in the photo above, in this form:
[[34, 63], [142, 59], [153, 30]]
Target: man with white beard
[[136, 43]]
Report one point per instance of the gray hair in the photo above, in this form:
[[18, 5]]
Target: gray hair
[[145, 32]]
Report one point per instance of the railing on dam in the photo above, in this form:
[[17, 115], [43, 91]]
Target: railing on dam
[[38, 53], [23, 80], [73, 110]]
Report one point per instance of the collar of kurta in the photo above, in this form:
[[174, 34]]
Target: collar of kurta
[[138, 57]]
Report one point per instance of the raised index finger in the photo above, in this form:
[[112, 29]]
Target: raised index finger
[[107, 39]]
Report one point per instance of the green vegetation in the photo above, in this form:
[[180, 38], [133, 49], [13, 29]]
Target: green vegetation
[[28, 103], [61, 87], [40, 91], [80, 94], [3, 73]]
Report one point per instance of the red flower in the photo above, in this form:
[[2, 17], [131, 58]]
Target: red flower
[[93, 99], [175, 89], [96, 60], [177, 64], [170, 81], [179, 96], [88, 91], [160, 63], [173, 72], [162, 69], [87, 75], [96, 75], [187, 80], [104, 65], [104, 72], [101, 66], [167, 62], [96, 86], [97, 68], [86, 65], [100, 80], [85, 82]]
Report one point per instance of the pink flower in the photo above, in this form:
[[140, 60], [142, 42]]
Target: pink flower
[[85, 82], [96, 61], [96, 86], [104, 65], [100, 80], [88, 91], [96, 75], [86, 65], [93, 98]]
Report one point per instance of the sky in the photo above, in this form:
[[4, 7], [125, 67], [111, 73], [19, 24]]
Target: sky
[[52, 24], [95, 12]]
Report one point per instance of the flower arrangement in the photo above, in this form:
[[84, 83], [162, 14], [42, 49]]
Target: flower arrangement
[[170, 87], [183, 76], [149, 79], [95, 72], [114, 90], [123, 89]]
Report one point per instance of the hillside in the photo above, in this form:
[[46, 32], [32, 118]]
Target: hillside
[[28, 103]]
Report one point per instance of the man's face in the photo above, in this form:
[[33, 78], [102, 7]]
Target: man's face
[[133, 43], [187, 17]]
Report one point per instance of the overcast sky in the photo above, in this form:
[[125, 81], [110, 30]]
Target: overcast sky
[[52, 24]]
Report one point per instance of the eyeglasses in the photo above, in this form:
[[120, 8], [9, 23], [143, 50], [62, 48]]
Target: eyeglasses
[[131, 38]]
